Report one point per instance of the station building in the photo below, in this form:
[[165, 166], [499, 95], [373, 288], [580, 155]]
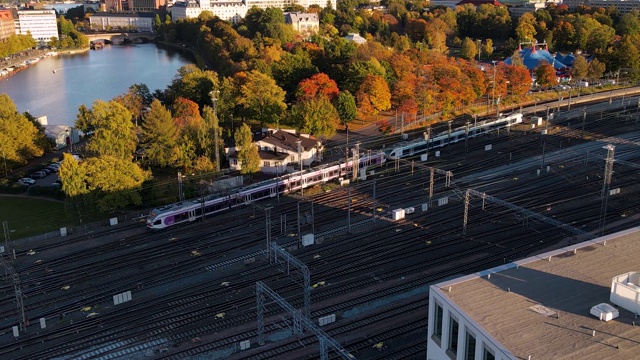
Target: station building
[[577, 302]]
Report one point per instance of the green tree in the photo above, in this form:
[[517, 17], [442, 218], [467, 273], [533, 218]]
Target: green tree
[[194, 84], [526, 31], [262, 98], [248, 155], [18, 136], [114, 183], [315, 116], [159, 134], [72, 176], [113, 131], [346, 107], [469, 49], [629, 24]]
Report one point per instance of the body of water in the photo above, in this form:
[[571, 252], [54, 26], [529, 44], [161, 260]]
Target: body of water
[[56, 86]]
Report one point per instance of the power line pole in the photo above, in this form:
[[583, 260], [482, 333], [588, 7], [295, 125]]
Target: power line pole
[[608, 172], [299, 143], [180, 191]]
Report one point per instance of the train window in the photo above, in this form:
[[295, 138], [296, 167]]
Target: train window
[[157, 222]]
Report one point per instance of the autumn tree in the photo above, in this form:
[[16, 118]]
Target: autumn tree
[[159, 135], [469, 49], [262, 98], [19, 137], [248, 156], [319, 85], [113, 131], [526, 31], [374, 95], [596, 69], [518, 78], [546, 75], [580, 68], [487, 48]]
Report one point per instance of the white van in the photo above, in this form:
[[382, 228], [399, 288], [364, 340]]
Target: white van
[[584, 84]]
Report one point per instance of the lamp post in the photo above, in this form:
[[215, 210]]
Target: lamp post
[[4, 157], [493, 96], [214, 99], [299, 143]]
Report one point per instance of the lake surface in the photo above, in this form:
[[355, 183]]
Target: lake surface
[[84, 77]]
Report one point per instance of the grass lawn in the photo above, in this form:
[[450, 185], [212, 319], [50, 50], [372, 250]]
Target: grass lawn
[[27, 217]]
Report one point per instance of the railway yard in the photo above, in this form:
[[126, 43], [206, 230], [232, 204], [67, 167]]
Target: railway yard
[[193, 287]]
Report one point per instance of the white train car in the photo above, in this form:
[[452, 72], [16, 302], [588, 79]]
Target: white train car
[[187, 211], [417, 146]]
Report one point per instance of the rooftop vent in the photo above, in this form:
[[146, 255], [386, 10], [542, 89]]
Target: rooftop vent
[[625, 291], [604, 312]]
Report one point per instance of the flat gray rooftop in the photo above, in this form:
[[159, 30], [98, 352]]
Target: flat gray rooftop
[[568, 285]]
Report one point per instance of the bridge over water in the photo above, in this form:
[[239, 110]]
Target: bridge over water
[[121, 37]]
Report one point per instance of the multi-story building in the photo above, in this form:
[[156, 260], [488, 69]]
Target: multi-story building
[[233, 10], [553, 305], [7, 26], [127, 21], [621, 5], [146, 5], [304, 23], [41, 24]]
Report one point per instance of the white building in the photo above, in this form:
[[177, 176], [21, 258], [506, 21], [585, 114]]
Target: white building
[[278, 150], [304, 23], [233, 10], [621, 5], [142, 22], [356, 38], [542, 307], [40, 23]]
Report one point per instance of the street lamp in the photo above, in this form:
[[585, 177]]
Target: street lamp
[[299, 143], [4, 157], [214, 99], [493, 96]]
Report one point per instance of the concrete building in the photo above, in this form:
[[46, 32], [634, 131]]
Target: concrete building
[[233, 10], [548, 306], [40, 23], [306, 24], [7, 26], [517, 11], [142, 22], [146, 5], [621, 5]]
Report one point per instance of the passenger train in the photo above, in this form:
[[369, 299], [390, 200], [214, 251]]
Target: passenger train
[[191, 210], [417, 146]]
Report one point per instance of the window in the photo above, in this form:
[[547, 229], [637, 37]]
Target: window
[[488, 354], [454, 327], [437, 323], [267, 164], [470, 347]]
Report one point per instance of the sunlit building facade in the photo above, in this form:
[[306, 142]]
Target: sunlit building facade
[[41, 24]]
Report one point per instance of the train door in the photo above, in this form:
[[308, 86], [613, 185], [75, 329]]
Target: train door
[[192, 215], [273, 191]]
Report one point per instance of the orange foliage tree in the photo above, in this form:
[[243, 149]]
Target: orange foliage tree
[[546, 75], [186, 113], [318, 85], [373, 96], [518, 78]]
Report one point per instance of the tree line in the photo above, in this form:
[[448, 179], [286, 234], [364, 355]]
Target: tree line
[[261, 72]]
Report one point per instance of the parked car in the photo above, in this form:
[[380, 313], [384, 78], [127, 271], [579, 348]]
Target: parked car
[[38, 175], [27, 181], [53, 168], [46, 171]]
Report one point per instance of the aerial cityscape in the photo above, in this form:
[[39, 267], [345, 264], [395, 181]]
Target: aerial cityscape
[[343, 179]]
